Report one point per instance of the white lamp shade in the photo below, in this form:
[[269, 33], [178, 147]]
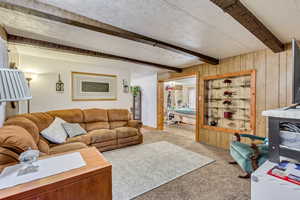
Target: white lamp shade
[[13, 86]]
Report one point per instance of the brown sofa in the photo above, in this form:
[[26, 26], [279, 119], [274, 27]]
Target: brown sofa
[[106, 130]]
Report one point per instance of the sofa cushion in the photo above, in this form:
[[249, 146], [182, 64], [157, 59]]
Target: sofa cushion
[[124, 132], [128, 139], [55, 133], [16, 138], [243, 149], [73, 129], [41, 120], [26, 124], [106, 148], [95, 115], [102, 135], [7, 156], [71, 115], [96, 125], [117, 124], [105, 143], [86, 139], [118, 115], [67, 147]]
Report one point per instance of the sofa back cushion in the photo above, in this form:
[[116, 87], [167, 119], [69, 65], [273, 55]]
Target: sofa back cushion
[[16, 139], [95, 115], [96, 125], [118, 115], [40, 119], [71, 115], [27, 124], [117, 124], [95, 119]]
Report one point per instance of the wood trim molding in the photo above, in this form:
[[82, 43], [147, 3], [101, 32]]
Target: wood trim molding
[[226, 130], [197, 134], [74, 50], [160, 100], [219, 76], [160, 105], [176, 76], [253, 102], [202, 99], [247, 19], [73, 19]]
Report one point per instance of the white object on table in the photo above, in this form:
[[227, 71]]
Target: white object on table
[[47, 167], [267, 187], [282, 113]]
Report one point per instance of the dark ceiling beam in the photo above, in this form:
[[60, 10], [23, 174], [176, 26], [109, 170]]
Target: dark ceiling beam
[[244, 16], [13, 39], [100, 27]]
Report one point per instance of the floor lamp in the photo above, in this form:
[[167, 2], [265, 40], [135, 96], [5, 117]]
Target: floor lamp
[[28, 101], [13, 86], [29, 76]]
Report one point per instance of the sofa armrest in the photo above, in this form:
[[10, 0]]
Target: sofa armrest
[[7, 156], [252, 137], [135, 124], [62, 148]]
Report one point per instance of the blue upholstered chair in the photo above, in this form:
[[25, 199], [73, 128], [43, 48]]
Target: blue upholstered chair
[[249, 157]]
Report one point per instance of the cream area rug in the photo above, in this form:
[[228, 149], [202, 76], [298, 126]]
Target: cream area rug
[[141, 168]]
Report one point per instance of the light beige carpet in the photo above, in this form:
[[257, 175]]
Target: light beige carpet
[[141, 168]]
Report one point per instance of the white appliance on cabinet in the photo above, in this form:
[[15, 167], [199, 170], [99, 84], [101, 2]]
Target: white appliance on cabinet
[[267, 187]]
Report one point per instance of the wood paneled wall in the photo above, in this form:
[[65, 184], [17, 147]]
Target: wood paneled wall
[[273, 86]]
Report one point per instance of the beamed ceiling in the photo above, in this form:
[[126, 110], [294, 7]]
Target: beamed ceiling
[[196, 25]]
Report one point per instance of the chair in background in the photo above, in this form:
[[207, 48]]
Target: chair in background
[[249, 157]]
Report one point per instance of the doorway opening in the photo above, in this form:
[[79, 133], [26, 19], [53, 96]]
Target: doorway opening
[[179, 106]]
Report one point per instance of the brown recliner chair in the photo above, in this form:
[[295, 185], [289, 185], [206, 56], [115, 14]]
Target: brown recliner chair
[[106, 129]]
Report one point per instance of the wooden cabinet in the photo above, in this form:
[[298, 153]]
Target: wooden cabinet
[[91, 182], [228, 102]]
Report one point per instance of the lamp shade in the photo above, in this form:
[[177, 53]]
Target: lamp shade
[[13, 86]]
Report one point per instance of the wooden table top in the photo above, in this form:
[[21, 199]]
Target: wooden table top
[[95, 162]]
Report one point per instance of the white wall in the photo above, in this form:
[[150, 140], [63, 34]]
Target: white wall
[[3, 63], [43, 87], [148, 84]]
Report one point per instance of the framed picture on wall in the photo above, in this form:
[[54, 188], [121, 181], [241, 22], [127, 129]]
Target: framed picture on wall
[[93, 87]]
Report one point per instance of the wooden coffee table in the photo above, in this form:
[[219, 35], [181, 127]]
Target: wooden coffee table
[[91, 182]]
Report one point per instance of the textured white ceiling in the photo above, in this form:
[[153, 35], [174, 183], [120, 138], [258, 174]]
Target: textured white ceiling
[[280, 16], [198, 25], [33, 27], [55, 55]]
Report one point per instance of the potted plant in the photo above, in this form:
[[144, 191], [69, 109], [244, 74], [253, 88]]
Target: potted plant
[[135, 90]]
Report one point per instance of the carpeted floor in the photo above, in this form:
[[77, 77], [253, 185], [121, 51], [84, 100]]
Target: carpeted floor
[[185, 130], [217, 181], [141, 168]]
